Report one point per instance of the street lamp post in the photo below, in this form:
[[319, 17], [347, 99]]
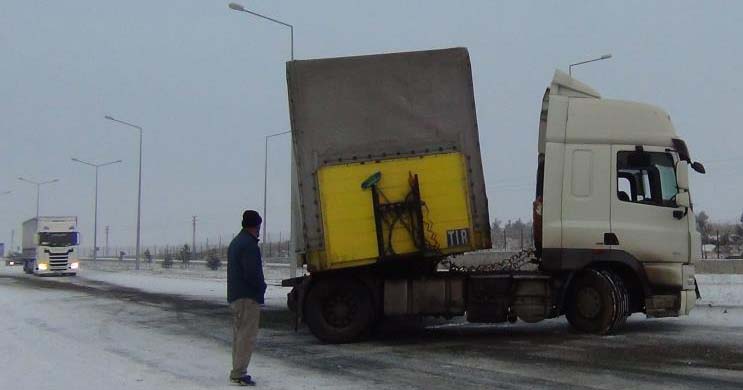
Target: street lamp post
[[12, 232], [265, 181], [139, 186], [95, 202], [38, 189], [603, 57], [239, 7]]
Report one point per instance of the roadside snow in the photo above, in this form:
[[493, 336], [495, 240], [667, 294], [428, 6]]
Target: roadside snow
[[66, 339], [212, 290], [720, 290]]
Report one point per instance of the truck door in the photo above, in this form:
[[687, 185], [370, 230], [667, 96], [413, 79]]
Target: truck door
[[585, 196], [643, 203]]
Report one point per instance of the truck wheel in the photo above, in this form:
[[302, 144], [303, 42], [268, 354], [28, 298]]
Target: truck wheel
[[596, 304], [338, 311], [28, 267], [623, 307]]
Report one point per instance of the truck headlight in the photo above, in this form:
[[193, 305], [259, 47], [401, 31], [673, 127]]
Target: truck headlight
[[43, 267], [74, 265]]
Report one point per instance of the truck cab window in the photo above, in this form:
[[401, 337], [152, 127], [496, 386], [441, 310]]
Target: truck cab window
[[58, 238], [625, 191], [647, 178]]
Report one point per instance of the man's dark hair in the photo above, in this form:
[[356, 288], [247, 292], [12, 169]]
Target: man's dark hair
[[251, 218]]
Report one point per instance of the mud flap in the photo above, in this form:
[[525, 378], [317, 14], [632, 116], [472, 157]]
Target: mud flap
[[295, 299]]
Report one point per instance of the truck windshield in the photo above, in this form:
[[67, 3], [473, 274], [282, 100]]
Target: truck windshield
[[58, 238], [646, 177]]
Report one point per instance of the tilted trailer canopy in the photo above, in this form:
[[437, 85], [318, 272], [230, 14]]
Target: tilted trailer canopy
[[371, 109]]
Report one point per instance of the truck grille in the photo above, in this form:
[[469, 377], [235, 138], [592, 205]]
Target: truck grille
[[58, 261]]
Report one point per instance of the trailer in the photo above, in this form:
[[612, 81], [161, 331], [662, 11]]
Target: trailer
[[388, 189]]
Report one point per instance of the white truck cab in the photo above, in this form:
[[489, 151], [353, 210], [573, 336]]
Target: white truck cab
[[613, 189], [50, 246]]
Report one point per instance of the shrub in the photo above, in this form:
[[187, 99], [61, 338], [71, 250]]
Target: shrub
[[213, 262], [184, 255], [167, 261]]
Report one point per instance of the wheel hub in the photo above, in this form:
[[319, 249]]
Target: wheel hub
[[588, 302], [340, 310]]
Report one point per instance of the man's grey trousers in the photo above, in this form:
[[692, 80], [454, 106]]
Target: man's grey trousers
[[246, 315]]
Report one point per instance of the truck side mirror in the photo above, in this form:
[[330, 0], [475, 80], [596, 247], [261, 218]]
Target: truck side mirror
[[682, 176], [683, 199], [699, 167]]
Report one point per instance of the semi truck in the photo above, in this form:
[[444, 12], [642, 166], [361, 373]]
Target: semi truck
[[50, 246], [388, 190]]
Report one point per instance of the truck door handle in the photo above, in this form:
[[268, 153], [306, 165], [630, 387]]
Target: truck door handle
[[611, 239]]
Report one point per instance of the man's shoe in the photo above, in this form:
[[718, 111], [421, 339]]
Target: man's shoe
[[244, 380]]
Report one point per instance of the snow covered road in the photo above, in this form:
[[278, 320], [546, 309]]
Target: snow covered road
[[107, 330], [86, 333]]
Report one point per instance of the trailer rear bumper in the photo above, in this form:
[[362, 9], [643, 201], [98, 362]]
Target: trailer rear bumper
[[293, 282]]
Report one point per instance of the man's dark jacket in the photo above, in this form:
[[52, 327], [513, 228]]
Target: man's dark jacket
[[245, 269]]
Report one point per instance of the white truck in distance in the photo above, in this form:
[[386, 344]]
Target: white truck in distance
[[50, 246]]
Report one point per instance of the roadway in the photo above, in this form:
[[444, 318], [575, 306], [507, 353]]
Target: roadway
[[130, 331]]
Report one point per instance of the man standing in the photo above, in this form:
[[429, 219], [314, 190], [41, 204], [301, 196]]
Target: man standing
[[246, 287]]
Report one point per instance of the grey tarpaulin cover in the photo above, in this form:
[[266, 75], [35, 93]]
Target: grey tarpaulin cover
[[376, 106]]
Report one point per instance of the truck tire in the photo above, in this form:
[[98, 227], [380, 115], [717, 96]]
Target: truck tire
[[623, 305], [338, 311], [598, 302]]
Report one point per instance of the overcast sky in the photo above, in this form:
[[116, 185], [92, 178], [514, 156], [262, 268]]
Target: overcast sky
[[208, 83]]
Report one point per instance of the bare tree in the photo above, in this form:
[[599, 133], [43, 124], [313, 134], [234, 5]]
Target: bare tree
[[703, 226]]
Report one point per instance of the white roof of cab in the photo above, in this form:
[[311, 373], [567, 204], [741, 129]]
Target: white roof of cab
[[565, 85], [591, 119]]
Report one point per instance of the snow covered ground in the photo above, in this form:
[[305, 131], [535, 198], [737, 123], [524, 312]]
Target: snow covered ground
[[721, 290], [157, 330], [56, 335]]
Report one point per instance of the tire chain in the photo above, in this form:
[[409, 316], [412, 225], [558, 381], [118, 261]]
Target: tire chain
[[622, 310], [516, 262]]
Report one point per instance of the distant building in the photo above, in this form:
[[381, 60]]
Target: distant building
[[710, 250]]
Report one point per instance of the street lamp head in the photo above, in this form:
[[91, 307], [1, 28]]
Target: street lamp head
[[109, 117], [606, 56], [236, 7]]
